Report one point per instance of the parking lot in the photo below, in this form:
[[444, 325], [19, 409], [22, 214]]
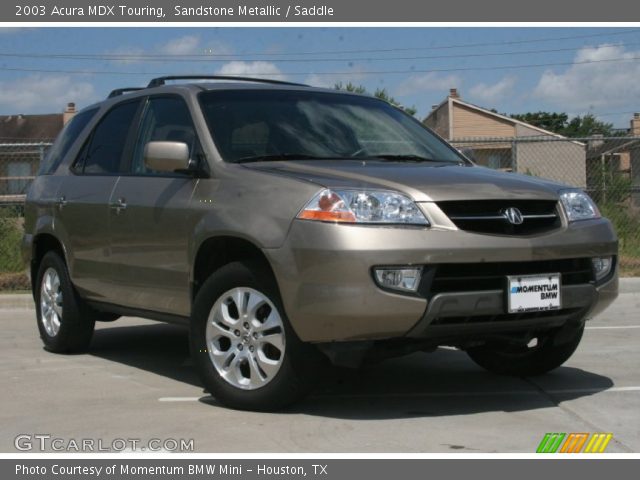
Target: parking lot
[[138, 382]]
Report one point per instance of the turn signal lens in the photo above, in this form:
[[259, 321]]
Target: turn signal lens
[[327, 206]]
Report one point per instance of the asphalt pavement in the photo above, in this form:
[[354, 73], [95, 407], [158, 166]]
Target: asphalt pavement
[[138, 384]]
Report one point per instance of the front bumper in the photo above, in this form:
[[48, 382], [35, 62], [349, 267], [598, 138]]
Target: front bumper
[[324, 275], [464, 314]]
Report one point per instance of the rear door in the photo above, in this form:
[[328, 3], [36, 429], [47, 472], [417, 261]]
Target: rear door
[[150, 232], [83, 201]]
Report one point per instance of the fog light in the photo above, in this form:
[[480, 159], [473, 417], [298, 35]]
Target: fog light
[[601, 266], [405, 279]]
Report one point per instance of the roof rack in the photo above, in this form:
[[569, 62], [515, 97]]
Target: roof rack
[[156, 82], [120, 91]]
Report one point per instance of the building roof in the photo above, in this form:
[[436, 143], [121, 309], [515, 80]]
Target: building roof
[[613, 145], [455, 99], [30, 128]]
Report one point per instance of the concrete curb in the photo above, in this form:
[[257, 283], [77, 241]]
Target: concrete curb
[[16, 300], [630, 285], [25, 300]]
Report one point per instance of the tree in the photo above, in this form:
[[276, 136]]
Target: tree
[[380, 93], [350, 87], [554, 122], [579, 126], [586, 126]]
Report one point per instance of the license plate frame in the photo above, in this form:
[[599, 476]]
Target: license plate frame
[[526, 301]]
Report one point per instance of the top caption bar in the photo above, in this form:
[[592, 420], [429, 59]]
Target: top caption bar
[[329, 11]]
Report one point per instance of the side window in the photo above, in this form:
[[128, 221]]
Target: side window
[[165, 119], [103, 153], [65, 140]]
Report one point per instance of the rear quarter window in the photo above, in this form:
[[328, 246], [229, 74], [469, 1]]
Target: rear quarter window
[[65, 141]]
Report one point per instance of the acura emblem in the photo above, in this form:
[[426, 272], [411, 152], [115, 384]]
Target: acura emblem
[[513, 216]]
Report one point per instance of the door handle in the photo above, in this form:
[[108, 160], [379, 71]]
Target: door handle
[[61, 202], [119, 205]]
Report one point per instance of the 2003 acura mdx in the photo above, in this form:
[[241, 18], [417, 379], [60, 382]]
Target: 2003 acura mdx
[[288, 225]]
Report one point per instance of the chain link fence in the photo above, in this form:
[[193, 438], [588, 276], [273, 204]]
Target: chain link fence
[[608, 168], [19, 163]]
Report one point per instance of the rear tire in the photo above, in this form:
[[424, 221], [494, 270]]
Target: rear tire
[[63, 322], [242, 344], [523, 361]]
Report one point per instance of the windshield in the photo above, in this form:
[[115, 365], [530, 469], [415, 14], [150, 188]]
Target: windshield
[[253, 125]]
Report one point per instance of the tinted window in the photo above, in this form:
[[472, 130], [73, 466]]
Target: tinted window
[[165, 119], [65, 140], [253, 123], [104, 152]]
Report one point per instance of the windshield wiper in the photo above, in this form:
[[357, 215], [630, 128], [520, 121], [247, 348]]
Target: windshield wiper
[[279, 156]]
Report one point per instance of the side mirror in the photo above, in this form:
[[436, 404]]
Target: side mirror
[[166, 156]]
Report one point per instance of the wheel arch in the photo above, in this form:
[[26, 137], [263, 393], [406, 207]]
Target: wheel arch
[[42, 244], [215, 252]]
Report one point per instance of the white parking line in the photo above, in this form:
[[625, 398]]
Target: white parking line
[[612, 327], [179, 399], [446, 394]]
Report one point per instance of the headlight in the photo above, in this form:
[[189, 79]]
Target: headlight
[[578, 205], [363, 206]]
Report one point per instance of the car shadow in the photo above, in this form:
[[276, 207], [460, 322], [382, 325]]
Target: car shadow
[[443, 383]]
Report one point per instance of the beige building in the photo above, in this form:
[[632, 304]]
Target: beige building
[[616, 154], [23, 142], [501, 142]]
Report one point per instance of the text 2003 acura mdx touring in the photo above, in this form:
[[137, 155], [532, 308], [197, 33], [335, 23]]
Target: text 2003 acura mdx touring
[[288, 225]]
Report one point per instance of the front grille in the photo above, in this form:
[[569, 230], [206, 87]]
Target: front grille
[[467, 277], [488, 216], [505, 317]]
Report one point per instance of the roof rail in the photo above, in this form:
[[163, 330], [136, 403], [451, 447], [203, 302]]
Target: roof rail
[[120, 91], [156, 82]]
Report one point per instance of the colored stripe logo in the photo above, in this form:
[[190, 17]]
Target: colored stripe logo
[[574, 443]]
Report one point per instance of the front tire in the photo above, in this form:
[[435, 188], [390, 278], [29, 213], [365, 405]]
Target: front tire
[[62, 317], [242, 344], [524, 361]]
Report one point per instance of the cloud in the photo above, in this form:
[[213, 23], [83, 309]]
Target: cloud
[[428, 82], [593, 85], [43, 93], [355, 76], [252, 69], [186, 45], [126, 55], [491, 94], [10, 30], [217, 48]]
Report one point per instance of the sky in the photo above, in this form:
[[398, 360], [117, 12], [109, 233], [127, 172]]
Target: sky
[[512, 70]]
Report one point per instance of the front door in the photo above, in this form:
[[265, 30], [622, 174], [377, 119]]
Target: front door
[[151, 228]]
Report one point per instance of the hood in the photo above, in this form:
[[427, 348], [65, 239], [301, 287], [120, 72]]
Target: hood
[[424, 182]]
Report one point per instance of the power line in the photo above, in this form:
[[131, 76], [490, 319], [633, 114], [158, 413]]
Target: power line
[[358, 72], [332, 52], [608, 114], [143, 58]]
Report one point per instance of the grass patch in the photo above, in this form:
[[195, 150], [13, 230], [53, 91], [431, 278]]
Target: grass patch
[[13, 277], [627, 225]]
